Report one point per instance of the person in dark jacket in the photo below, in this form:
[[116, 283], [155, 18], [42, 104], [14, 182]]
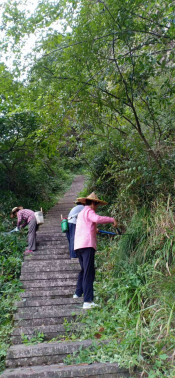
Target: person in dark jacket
[[72, 219]]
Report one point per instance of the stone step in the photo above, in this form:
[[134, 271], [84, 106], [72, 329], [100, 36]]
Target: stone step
[[62, 246], [41, 231], [41, 322], [50, 238], [46, 249], [56, 218], [49, 220], [56, 213], [50, 330], [51, 327], [43, 269], [63, 240], [67, 202], [97, 370], [50, 257], [57, 244], [55, 291], [55, 222], [50, 251], [46, 246], [62, 202], [54, 228], [45, 252], [40, 311], [48, 275], [49, 283], [44, 266], [44, 353], [52, 243], [70, 193], [53, 218], [50, 233], [63, 206], [54, 312], [25, 303], [46, 228], [49, 294], [69, 263]]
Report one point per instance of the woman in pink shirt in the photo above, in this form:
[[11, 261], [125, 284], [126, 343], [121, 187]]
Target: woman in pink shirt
[[85, 244]]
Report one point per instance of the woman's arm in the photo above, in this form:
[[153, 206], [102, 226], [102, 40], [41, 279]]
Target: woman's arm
[[93, 217], [19, 216]]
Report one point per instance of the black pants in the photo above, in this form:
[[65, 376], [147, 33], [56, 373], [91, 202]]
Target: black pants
[[87, 274], [70, 236]]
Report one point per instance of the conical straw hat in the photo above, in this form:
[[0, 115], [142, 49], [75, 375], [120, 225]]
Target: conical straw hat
[[15, 209], [92, 197]]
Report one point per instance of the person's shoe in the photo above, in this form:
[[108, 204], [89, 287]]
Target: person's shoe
[[87, 305], [28, 252], [76, 296]]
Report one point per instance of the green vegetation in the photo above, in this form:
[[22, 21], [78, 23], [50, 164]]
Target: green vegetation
[[135, 290], [98, 95], [36, 339], [11, 257]]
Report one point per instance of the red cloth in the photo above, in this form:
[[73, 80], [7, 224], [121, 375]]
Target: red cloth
[[25, 216], [85, 233]]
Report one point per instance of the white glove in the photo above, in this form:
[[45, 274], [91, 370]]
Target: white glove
[[16, 229]]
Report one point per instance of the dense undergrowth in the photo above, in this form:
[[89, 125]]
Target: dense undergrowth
[[135, 280], [12, 247], [43, 191], [11, 256]]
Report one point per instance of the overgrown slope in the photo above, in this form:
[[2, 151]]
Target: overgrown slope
[[134, 287]]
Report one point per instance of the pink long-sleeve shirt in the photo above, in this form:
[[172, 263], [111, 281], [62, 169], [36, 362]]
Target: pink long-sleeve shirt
[[25, 216], [85, 233]]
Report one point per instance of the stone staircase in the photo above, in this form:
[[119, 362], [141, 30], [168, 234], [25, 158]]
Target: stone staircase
[[49, 281]]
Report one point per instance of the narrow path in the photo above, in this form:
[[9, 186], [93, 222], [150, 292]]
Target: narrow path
[[49, 279]]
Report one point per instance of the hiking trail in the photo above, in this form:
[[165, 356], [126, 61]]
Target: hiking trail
[[49, 279]]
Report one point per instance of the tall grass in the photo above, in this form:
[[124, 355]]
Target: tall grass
[[11, 257], [134, 286]]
